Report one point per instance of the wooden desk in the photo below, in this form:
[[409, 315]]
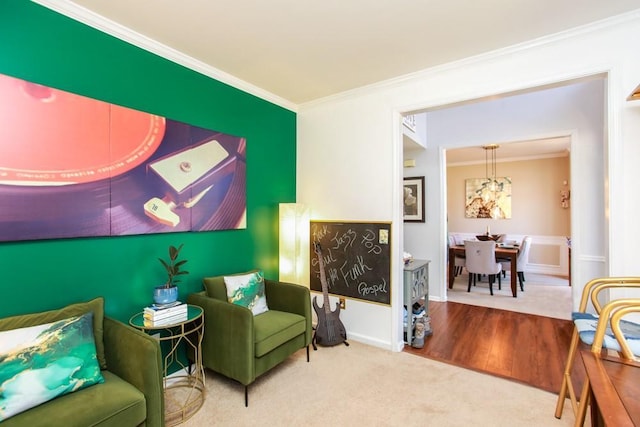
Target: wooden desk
[[510, 253], [615, 390]]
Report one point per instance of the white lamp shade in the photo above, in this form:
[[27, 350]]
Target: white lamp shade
[[294, 233]]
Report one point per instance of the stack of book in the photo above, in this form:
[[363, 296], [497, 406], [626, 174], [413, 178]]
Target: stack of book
[[165, 314]]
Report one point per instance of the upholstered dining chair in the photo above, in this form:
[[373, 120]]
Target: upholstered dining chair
[[522, 261], [459, 261], [604, 329], [480, 258]]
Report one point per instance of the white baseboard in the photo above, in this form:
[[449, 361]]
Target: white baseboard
[[365, 339]]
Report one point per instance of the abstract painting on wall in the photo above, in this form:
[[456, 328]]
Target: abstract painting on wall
[[72, 166], [488, 198]]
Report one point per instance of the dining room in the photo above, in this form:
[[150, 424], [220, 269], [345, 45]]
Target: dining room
[[504, 193]]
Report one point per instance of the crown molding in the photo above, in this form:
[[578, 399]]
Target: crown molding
[[512, 159], [100, 23], [94, 20], [611, 22]]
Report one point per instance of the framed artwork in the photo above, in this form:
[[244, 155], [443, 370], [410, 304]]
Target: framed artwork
[[488, 199], [413, 199], [72, 166]]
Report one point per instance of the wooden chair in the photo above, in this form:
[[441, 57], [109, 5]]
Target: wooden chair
[[605, 329], [480, 258]]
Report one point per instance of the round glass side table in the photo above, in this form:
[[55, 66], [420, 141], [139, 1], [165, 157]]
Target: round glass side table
[[184, 390]]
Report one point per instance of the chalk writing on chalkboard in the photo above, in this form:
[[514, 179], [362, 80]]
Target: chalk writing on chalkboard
[[357, 259]]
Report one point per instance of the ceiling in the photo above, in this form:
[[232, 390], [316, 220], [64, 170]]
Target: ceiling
[[300, 51], [539, 148]]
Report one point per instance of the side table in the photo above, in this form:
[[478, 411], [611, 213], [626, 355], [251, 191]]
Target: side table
[[183, 393]]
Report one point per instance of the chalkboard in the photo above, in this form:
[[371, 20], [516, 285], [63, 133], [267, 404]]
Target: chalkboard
[[357, 259]]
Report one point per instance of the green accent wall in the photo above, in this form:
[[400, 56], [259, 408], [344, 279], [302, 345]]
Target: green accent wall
[[42, 46]]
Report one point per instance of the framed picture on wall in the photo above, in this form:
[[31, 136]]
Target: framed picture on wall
[[488, 199], [413, 199]]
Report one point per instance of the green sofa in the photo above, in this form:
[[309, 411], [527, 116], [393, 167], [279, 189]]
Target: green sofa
[[132, 393], [242, 346]]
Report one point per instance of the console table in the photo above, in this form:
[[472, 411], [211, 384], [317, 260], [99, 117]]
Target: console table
[[183, 393], [416, 288]]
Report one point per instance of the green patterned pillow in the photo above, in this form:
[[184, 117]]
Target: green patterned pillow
[[40, 363], [96, 306], [247, 290]]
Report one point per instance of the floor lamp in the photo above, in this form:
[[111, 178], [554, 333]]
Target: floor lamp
[[294, 234]]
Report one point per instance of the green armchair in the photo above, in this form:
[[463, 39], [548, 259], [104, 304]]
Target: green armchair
[[242, 346]]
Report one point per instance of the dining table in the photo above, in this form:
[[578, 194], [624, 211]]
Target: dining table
[[502, 252]]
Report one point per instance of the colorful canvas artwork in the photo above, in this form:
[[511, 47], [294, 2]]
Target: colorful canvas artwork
[[72, 166], [488, 199]]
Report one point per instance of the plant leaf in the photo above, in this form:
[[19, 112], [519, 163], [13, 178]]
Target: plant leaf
[[173, 253]]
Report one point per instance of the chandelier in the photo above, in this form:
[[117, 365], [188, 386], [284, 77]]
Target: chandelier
[[491, 186]]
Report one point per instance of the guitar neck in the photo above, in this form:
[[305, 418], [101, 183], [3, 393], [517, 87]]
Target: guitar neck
[[325, 295], [323, 281]]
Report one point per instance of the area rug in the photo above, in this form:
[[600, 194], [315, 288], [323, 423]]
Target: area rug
[[543, 295], [364, 385]]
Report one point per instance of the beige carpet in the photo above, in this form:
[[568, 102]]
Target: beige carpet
[[363, 385], [543, 295]]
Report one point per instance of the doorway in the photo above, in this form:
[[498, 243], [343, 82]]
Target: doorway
[[576, 108]]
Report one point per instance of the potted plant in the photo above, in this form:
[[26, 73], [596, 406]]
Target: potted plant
[[168, 292]]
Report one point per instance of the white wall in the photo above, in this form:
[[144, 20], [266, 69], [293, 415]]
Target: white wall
[[535, 197], [350, 154]]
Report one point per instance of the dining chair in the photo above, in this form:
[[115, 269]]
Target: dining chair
[[480, 258], [521, 262], [603, 329], [459, 262]]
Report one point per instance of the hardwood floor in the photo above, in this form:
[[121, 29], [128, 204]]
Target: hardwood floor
[[522, 347]]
